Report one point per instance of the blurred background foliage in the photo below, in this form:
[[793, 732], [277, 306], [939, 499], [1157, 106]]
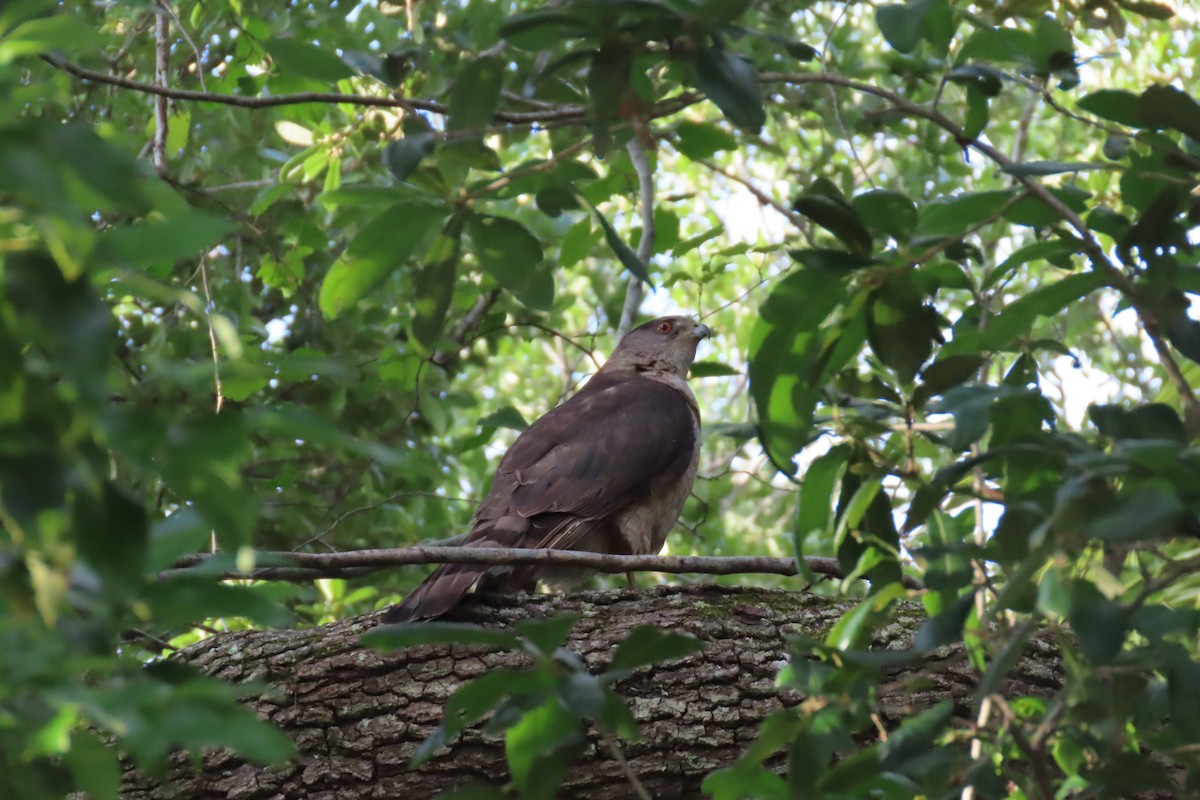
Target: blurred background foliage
[[948, 249]]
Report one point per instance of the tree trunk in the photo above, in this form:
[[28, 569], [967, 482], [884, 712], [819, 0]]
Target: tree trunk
[[356, 715]]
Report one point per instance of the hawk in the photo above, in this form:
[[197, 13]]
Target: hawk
[[607, 472]]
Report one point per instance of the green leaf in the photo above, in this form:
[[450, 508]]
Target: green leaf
[[1053, 51], [740, 782], [402, 156], [948, 550], [969, 405], [381, 246], [473, 700], [547, 635], [647, 644], [888, 211], [94, 766], [617, 718], [623, 252], [688, 245], [539, 29], [905, 25], [825, 259], [949, 370], [701, 141], [916, 736], [506, 417], [1099, 623], [901, 327], [582, 695], [512, 255], [1150, 421], [306, 60], [837, 216], [65, 32], [114, 537], [1114, 104], [815, 513], [576, 243], [159, 243], [793, 355], [1017, 319], [1163, 106], [946, 627], [854, 628], [1148, 511], [190, 598], [475, 95], [411, 634], [607, 82], [952, 215], [731, 83], [540, 747], [434, 285], [712, 369], [987, 80]]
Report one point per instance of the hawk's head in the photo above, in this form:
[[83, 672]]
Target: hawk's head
[[664, 343]]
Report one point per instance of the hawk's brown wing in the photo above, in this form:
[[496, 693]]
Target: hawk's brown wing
[[569, 473]]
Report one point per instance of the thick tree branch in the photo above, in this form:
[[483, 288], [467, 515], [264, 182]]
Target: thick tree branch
[[357, 715], [309, 566]]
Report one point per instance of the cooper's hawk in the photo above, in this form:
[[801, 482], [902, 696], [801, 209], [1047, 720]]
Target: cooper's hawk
[[607, 471]]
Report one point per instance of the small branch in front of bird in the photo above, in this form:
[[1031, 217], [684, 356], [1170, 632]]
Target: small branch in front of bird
[[543, 328], [352, 563]]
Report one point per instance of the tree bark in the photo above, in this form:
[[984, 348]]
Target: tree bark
[[357, 715]]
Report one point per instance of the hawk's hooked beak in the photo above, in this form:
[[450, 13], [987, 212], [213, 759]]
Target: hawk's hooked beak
[[702, 331]]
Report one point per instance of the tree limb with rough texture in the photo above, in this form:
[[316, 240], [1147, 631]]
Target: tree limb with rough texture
[[357, 715]]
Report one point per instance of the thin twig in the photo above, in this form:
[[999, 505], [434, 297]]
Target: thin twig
[[484, 303], [1034, 754], [162, 50], [762, 197], [542, 166], [635, 289], [166, 7], [212, 335], [618, 754], [334, 565], [372, 506]]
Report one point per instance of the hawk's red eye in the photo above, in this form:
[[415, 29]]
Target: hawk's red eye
[[664, 327]]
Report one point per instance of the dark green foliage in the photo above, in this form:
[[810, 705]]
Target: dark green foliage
[[315, 323]]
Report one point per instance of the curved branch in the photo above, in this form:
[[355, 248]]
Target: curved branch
[[350, 563], [549, 117]]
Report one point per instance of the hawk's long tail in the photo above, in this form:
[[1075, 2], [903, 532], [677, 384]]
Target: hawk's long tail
[[445, 587]]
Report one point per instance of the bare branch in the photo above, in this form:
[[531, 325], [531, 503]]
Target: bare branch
[[162, 50], [309, 566], [634, 291]]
